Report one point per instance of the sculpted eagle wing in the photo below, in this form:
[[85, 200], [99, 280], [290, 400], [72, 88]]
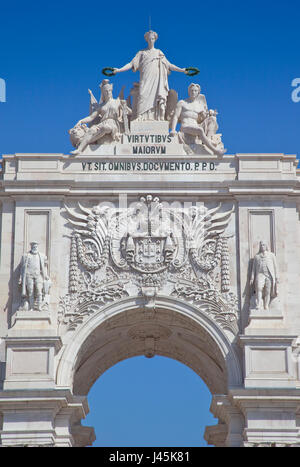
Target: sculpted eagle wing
[[80, 223], [204, 224], [216, 223], [200, 224], [91, 223], [94, 105]]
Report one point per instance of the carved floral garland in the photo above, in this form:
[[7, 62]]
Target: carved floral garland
[[88, 263], [208, 265]]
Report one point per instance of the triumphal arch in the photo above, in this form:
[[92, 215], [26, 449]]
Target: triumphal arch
[[149, 239]]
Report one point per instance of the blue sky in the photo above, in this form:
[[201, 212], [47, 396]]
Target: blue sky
[[149, 402], [247, 53], [248, 56]]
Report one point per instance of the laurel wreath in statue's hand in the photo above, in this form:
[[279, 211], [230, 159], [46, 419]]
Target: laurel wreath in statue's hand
[[192, 71], [108, 71]]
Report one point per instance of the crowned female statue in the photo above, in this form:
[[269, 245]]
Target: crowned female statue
[[104, 120], [153, 86]]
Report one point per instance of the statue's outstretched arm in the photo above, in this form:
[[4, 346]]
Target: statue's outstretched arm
[[176, 68], [124, 68]]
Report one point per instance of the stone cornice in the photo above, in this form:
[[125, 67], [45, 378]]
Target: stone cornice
[[237, 176]]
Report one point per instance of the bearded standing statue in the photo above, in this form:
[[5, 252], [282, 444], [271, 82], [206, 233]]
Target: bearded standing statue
[[33, 279]]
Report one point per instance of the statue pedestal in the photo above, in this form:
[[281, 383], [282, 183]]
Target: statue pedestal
[[261, 321], [149, 138], [262, 318], [31, 319], [265, 314], [153, 127]]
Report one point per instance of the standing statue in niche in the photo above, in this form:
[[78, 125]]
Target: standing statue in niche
[[105, 120], [153, 87], [264, 277], [34, 280], [197, 121]]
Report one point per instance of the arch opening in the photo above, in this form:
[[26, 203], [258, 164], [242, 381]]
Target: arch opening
[[149, 402], [125, 329], [166, 333], [174, 328]]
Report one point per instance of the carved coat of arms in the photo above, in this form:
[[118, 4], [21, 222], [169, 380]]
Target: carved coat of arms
[[152, 245]]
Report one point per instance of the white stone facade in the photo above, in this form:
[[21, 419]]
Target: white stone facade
[[158, 293]]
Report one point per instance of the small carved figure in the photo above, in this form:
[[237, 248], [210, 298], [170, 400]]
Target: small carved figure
[[264, 277], [106, 117], [34, 279], [197, 121], [153, 86]]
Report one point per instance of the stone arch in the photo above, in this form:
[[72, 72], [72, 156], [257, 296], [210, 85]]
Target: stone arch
[[125, 329]]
